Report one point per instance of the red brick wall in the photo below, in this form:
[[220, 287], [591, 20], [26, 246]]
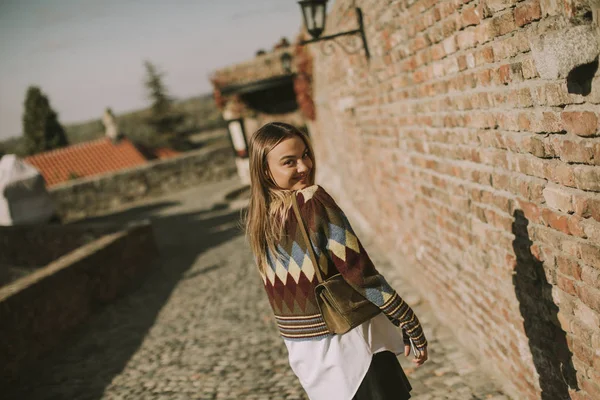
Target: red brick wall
[[479, 177]]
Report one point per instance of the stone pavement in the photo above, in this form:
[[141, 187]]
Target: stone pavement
[[200, 327]]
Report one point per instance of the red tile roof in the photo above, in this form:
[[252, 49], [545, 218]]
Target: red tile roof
[[86, 159]]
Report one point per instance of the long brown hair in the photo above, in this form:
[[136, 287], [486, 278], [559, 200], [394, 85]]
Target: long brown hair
[[269, 204]]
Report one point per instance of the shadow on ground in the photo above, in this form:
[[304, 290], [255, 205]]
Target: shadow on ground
[[90, 357], [547, 341]]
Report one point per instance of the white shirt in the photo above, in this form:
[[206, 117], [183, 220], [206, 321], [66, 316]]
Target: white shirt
[[333, 368]]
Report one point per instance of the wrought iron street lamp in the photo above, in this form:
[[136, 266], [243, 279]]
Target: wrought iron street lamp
[[314, 16], [315, 13]]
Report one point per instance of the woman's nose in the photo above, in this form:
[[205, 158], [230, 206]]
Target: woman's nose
[[302, 167]]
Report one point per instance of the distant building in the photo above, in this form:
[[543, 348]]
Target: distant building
[[92, 158], [23, 195]]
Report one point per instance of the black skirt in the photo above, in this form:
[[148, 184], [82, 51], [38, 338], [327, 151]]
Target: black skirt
[[385, 380]]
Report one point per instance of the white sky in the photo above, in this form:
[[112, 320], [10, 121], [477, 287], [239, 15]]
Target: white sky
[[87, 55]]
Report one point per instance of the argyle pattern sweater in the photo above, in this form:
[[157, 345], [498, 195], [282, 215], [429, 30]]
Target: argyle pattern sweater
[[290, 278]]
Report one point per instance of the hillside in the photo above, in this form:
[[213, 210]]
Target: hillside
[[199, 114]]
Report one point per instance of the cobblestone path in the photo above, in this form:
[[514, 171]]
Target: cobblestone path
[[200, 327]]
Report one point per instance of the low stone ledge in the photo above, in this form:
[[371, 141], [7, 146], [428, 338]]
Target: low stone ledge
[[98, 195], [38, 310], [38, 245]]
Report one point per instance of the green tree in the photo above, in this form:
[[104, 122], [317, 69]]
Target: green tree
[[41, 128], [157, 92], [163, 118]]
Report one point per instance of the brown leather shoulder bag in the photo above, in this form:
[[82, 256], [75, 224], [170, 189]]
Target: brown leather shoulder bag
[[342, 307]]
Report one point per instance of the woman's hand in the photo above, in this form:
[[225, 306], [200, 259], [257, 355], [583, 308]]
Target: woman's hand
[[421, 356]]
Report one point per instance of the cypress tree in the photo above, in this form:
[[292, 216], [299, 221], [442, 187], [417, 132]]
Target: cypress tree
[[41, 128], [161, 103], [163, 118]]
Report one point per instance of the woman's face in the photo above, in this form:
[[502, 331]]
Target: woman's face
[[290, 164]]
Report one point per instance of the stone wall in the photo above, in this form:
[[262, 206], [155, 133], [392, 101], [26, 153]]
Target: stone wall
[[470, 144], [38, 245], [104, 193], [39, 309]]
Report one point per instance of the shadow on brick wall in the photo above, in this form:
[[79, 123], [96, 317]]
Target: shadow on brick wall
[[547, 341], [89, 359]]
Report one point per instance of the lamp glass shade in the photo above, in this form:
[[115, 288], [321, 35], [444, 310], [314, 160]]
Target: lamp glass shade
[[237, 137], [286, 62], [313, 12]]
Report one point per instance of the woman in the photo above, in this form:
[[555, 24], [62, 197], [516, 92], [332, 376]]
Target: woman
[[360, 364]]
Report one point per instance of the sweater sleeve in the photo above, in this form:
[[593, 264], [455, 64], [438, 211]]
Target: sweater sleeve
[[335, 239]]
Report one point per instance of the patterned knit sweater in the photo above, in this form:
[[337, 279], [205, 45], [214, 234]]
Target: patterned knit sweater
[[290, 279]]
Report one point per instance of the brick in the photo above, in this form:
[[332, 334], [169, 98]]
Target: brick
[[550, 122], [590, 276], [590, 297], [470, 16], [420, 42], [449, 27], [564, 320], [529, 69], [437, 52], [504, 74], [484, 56], [446, 8], [531, 211], [585, 315], [566, 285], [587, 206], [546, 122], [558, 199], [584, 353], [533, 145], [575, 225], [551, 7], [520, 98], [484, 32], [462, 62], [587, 177], [560, 173], [591, 229], [553, 94], [527, 12], [582, 332], [591, 388], [581, 123], [549, 148], [516, 73], [579, 394], [466, 39], [484, 77], [497, 5], [524, 121], [449, 45], [590, 254], [570, 151], [595, 151], [503, 24], [556, 221], [568, 267]]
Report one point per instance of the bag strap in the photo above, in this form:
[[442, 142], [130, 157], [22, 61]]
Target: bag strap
[[311, 252]]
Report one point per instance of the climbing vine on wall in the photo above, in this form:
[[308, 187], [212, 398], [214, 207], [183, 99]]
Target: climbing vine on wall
[[217, 96], [303, 80]]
